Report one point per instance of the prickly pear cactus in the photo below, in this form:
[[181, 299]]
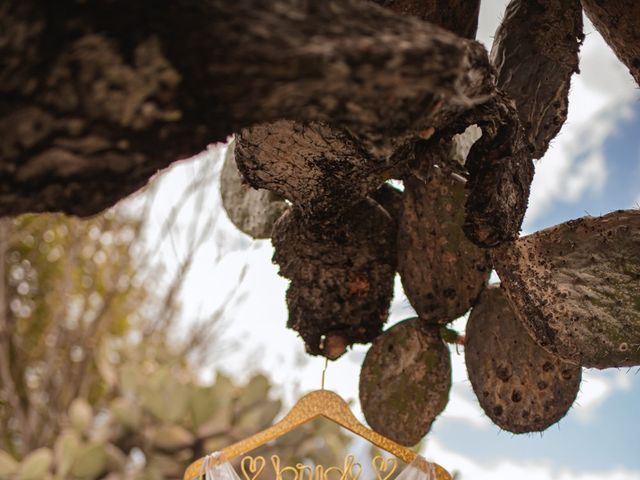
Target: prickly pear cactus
[[571, 291]]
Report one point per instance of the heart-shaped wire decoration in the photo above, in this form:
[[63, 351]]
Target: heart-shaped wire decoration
[[381, 466], [254, 465]]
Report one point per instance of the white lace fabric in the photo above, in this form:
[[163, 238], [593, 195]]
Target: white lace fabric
[[217, 471], [413, 472], [224, 471]]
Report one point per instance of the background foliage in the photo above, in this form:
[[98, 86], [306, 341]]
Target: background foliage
[[96, 378]]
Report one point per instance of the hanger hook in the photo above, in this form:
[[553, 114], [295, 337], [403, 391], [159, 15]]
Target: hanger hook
[[326, 362], [324, 370]]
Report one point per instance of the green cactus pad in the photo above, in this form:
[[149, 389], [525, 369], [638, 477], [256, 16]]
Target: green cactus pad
[[405, 381], [442, 272]]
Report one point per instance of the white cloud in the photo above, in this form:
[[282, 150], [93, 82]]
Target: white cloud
[[510, 469], [461, 408], [589, 174], [596, 387], [491, 14]]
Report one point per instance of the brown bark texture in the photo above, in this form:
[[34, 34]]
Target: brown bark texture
[[252, 211], [442, 272], [95, 97], [322, 170], [521, 387], [576, 288], [617, 21], [535, 52], [405, 381], [500, 175], [458, 16], [341, 275], [389, 198]]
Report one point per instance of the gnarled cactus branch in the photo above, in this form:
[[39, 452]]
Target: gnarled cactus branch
[[97, 96]]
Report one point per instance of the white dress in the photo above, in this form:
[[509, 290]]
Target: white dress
[[224, 471]]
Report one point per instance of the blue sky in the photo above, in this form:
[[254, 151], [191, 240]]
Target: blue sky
[[593, 167], [621, 187], [605, 441]]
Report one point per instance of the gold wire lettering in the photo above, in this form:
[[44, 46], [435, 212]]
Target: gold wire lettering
[[252, 468], [275, 461], [302, 468]]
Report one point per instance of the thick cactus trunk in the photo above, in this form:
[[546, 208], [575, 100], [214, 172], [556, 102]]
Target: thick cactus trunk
[[97, 96]]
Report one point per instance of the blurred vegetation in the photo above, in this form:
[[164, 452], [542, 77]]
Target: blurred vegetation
[[97, 380]]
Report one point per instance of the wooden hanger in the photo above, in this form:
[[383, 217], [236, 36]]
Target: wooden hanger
[[319, 403]]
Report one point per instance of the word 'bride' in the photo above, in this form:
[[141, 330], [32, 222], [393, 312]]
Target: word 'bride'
[[252, 467]]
